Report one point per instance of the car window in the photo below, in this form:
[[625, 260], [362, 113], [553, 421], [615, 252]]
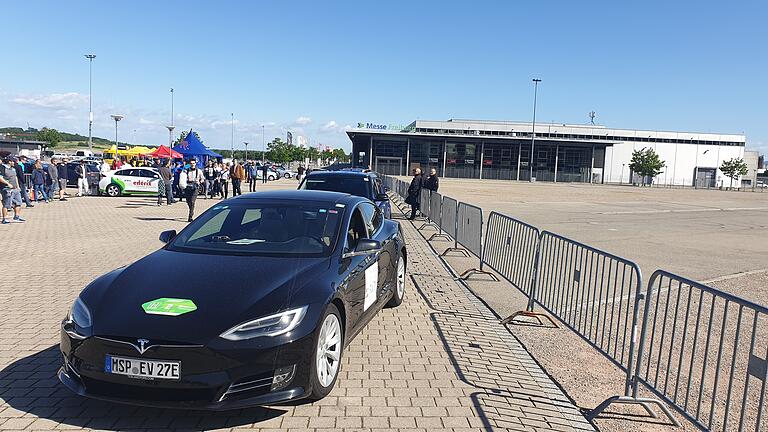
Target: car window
[[285, 229], [357, 230], [358, 186], [371, 217], [122, 172], [378, 188], [148, 173]]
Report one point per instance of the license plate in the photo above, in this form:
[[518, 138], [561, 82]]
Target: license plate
[[142, 368]]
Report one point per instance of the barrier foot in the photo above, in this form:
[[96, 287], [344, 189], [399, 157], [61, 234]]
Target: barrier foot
[[462, 251], [469, 273], [644, 402], [439, 236], [427, 224], [530, 314]]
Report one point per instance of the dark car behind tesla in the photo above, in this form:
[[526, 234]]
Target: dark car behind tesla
[[364, 184], [271, 287]]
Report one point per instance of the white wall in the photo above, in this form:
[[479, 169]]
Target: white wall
[[681, 161]]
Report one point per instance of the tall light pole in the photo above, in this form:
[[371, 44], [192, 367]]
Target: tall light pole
[[171, 106], [90, 58], [263, 146], [116, 118], [170, 136], [536, 82], [246, 151], [232, 143]]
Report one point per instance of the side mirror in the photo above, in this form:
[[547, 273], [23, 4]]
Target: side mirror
[[364, 247], [167, 236], [382, 197]]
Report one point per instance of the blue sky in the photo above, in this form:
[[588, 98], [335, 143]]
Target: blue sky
[[317, 67]]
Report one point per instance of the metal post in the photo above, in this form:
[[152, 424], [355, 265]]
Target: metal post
[[621, 177], [246, 151], [482, 157], [171, 106], [263, 146], [696, 170], [519, 151], [90, 58], [232, 141], [170, 136], [557, 159], [536, 82], [370, 154], [592, 165], [445, 156], [407, 157]]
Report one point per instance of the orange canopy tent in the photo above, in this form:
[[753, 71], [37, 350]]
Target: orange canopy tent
[[164, 152]]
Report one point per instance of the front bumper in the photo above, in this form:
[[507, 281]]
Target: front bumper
[[212, 378]]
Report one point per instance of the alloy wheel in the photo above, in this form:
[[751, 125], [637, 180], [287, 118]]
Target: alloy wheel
[[328, 353]]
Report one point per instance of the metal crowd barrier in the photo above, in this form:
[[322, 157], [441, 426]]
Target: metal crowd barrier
[[433, 208], [511, 249], [707, 353], [447, 224], [469, 233]]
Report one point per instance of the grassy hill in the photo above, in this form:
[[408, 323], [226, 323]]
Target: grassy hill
[[68, 140]]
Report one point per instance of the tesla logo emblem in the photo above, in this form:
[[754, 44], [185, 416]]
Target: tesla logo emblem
[[142, 345]]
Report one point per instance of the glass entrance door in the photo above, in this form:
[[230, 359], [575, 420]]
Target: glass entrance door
[[389, 165]]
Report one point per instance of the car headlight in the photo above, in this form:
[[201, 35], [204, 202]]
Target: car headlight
[[272, 325], [80, 315]]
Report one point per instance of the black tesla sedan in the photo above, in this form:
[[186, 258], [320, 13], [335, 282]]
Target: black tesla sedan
[[252, 303]]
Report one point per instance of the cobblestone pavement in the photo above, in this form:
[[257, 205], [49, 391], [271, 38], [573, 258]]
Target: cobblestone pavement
[[440, 361]]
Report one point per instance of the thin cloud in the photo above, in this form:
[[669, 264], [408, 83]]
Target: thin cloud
[[330, 126], [57, 101], [302, 121]]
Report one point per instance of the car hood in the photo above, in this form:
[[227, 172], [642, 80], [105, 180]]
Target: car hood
[[227, 290]]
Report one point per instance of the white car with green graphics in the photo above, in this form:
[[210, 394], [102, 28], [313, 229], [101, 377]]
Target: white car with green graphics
[[129, 181]]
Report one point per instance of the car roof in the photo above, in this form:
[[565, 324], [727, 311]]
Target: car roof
[[302, 195], [341, 174]]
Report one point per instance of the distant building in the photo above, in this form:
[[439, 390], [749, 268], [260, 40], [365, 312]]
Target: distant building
[[16, 146], [563, 153]]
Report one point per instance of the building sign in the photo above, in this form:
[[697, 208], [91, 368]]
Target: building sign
[[488, 162], [383, 126]]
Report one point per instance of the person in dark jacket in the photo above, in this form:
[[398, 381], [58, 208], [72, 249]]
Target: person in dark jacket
[[53, 177], [166, 175], [63, 173], [414, 192], [38, 181], [23, 167], [432, 182]]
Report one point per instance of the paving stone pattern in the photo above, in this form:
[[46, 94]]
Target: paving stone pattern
[[440, 361]]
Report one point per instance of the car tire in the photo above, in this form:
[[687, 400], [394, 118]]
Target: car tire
[[399, 292], [287, 175], [322, 383], [112, 190], [270, 178]]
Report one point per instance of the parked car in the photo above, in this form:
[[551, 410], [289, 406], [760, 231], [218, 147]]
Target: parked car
[[367, 185], [325, 262], [129, 181], [761, 184]]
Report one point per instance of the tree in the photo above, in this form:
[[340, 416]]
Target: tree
[[734, 168], [646, 163], [51, 136]]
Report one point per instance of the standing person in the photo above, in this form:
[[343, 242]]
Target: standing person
[[63, 173], [414, 192], [300, 172], [237, 173], [82, 179], [22, 167], [264, 171], [177, 189], [104, 167], [189, 180], [53, 174], [432, 182], [224, 192], [210, 176], [38, 181], [253, 175], [167, 178], [10, 191]]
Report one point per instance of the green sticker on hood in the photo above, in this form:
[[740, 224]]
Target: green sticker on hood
[[169, 306]]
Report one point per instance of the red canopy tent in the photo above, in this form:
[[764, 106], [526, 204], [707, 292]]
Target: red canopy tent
[[164, 152]]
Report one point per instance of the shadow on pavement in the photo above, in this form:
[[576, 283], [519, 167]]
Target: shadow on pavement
[[151, 219], [29, 385]]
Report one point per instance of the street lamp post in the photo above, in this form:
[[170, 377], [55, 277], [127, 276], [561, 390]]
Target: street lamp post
[[263, 146], [246, 151], [90, 58], [171, 106], [536, 82], [116, 118], [170, 135], [621, 179], [232, 143]]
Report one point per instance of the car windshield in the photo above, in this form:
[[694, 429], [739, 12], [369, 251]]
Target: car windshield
[[263, 229], [357, 185]]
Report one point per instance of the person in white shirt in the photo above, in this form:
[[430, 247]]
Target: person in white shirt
[[104, 168], [189, 180], [83, 188]]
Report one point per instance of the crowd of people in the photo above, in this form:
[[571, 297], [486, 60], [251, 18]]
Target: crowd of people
[[26, 182], [419, 182]]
